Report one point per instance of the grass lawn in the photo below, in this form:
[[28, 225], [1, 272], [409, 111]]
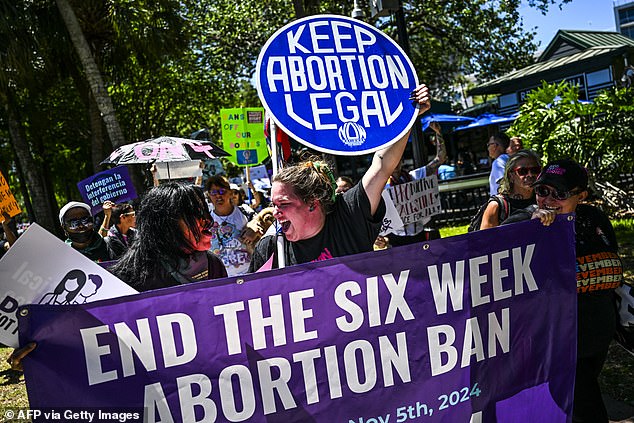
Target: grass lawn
[[617, 378]]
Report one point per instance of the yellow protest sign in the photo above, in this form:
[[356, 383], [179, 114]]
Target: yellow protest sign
[[243, 135], [7, 200]]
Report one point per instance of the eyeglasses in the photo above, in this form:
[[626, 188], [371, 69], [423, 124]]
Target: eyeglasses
[[220, 191], [544, 191], [82, 221], [523, 171]]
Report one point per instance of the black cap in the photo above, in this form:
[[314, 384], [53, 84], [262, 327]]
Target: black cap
[[564, 175]]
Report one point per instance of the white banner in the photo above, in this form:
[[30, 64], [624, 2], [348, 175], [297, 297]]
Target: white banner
[[41, 269]]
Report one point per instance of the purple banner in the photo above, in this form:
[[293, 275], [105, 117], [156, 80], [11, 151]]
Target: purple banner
[[479, 327], [112, 184]]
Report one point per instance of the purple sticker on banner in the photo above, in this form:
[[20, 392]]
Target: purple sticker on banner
[[113, 184], [467, 328]]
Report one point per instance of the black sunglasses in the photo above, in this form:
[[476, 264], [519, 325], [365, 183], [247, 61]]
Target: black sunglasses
[[220, 191], [523, 171], [544, 191], [82, 221]]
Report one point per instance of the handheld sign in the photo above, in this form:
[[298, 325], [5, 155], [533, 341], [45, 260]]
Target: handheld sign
[[337, 85], [7, 200], [243, 135], [112, 184], [416, 201], [41, 269]]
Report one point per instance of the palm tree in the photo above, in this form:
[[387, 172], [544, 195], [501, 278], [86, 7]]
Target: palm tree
[[93, 75]]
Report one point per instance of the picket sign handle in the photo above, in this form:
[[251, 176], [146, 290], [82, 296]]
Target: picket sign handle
[[279, 240]]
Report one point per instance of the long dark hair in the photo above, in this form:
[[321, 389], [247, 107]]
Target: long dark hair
[[159, 237]]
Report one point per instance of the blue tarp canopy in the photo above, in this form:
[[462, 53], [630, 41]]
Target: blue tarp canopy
[[445, 119], [488, 119]]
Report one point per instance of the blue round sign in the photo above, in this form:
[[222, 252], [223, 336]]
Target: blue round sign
[[337, 85]]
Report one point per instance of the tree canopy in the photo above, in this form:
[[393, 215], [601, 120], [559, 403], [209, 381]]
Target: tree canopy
[[170, 66], [599, 134]]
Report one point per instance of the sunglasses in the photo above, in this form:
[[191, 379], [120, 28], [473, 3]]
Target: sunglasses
[[77, 223], [523, 171], [544, 191], [220, 191]]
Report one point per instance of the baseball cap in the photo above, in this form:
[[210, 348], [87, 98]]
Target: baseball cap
[[564, 175], [72, 205]]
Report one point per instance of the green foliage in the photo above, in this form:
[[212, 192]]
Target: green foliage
[[599, 135], [452, 39], [171, 65]]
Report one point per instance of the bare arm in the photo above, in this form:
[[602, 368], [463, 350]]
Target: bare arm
[[107, 212], [384, 161], [490, 217], [11, 236], [441, 151]]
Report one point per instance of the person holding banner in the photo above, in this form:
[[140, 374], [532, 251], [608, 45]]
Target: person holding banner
[[413, 232], [172, 242], [516, 188], [79, 227], [560, 188], [318, 224]]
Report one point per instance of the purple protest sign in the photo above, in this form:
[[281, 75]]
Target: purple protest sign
[[112, 184], [475, 328]]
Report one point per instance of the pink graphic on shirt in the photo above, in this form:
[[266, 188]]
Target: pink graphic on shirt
[[325, 255]]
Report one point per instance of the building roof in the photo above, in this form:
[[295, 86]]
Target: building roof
[[568, 52], [567, 42]]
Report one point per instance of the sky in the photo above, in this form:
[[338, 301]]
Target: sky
[[594, 15]]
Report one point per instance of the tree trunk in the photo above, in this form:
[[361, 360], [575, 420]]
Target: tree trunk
[[96, 134], [93, 75], [44, 213]]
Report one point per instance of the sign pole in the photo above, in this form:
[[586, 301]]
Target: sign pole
[[279, 240]]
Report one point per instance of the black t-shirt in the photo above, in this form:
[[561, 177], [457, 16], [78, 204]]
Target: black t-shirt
[[599, 272], [118, 243], [199, 267], [98, 250], [349, 229]]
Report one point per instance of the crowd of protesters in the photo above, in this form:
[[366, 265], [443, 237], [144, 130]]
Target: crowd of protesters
[[182, 233]]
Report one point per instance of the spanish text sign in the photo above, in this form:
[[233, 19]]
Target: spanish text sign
[[337, 84], [113, 184], [479, 327]]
